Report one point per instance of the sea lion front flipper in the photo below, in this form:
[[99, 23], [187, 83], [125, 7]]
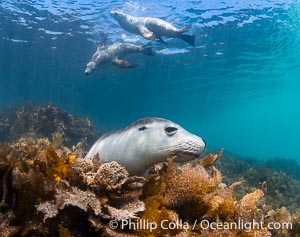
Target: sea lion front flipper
[[123, 63], [147, 34], [184, 29], [159, 39]]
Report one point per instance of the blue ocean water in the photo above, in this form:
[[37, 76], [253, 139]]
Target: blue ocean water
[[238, 88]]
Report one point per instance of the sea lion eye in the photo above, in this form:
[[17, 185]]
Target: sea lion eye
[[142, 128], [170, 130]]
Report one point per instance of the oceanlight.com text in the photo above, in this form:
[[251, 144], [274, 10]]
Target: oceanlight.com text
[[142, 224], [244, 225]]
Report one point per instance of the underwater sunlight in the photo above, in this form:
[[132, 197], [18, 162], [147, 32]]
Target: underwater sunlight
[[156, 82]]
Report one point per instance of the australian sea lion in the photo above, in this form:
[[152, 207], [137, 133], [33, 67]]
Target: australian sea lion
[[151, 28], [113, 54], [147, 142]]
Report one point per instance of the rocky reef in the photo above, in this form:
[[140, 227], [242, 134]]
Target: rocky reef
[[47, 121], [48, 189], [280, 178], [51, 191]]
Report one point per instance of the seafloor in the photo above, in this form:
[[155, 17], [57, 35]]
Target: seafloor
[[48, 189]]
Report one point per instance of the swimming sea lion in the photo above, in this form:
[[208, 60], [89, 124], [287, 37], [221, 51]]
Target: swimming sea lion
[[146, 142], [151, 28], [113, 54]]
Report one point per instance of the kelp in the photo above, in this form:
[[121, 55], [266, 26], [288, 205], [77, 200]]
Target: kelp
[[46, 121], [46, 190], [279, 186]]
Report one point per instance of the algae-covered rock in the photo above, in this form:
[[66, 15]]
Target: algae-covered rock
[[48, 121], [48, 191], [53, 185], [197, 195], [280, 184]]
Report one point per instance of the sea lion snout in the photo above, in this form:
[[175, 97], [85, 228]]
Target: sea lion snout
[[189, 147], [89, 68], [204, 142], [112, 12], [87, 71], [183, 141]]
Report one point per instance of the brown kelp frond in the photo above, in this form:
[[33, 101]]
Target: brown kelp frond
[[43, 181], [48, 190], [278, 178], [211, 159], [247, 207], [196, 195]]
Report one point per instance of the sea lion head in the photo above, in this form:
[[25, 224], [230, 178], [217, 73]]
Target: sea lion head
[[117, 15], [156, 139], [146, 142], [168, 139], [90, 67]]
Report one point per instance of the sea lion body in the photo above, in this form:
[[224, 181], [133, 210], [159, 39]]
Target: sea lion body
[[151, 28], [147, 142], [113, 54]]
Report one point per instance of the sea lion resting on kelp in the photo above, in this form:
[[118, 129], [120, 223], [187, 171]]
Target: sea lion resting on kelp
[[146, 142]]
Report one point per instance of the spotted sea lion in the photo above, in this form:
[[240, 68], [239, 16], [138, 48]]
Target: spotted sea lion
[[113, 54], [151, 28], [146, 142]]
